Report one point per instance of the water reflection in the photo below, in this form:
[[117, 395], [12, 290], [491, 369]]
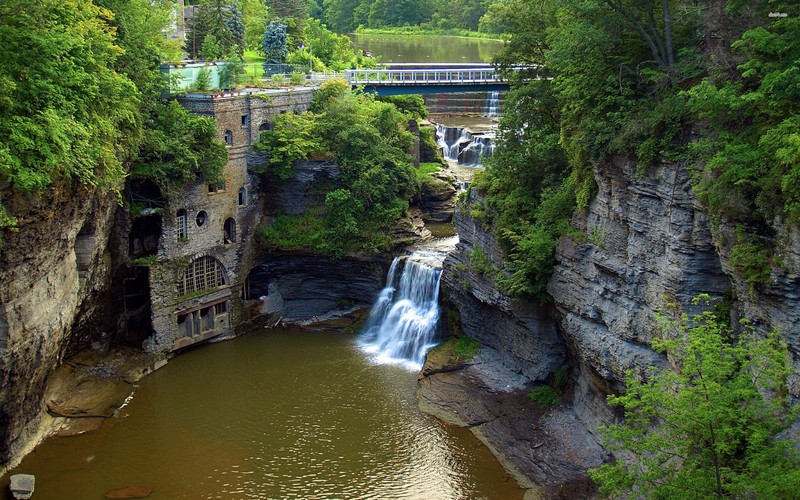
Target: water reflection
[[276, 414]]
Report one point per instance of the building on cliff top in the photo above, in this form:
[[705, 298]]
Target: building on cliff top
[[197, 248]]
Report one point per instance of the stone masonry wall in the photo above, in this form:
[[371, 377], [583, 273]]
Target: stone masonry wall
[[238, 118]]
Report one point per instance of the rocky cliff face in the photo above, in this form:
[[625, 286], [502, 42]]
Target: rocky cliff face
[[650, 244], [309, 290], [646, 245], [548, 452], [53, 274]]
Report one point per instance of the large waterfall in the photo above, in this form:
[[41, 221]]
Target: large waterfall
[[402, 325], [460, 145]]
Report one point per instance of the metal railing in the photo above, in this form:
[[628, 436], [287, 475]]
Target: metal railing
[[421, 76]]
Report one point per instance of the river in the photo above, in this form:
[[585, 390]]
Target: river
[[274, 414], [427, 48]]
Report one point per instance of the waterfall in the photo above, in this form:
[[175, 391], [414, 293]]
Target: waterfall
[[402, 324], [460, 145], [493, 104]]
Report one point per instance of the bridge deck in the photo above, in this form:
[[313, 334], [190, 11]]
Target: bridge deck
[[423, 76]]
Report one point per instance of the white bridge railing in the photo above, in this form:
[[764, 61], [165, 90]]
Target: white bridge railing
[[440, 76]]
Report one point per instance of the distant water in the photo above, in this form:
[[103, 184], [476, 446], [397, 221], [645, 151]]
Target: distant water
[[427, 48]]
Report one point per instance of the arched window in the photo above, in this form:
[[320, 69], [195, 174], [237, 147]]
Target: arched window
[[265, 126], [202, 274], [228, 138], [242, 196], [180, 225], [230, 230]]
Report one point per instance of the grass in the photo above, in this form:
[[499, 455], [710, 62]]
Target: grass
[[251, 56], [425, 176], [544, 396], [466, 348]]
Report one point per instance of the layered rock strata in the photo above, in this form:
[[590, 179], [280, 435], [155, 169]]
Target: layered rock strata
[[53, 275]]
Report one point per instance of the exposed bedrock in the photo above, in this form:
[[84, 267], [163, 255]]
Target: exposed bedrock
[[520, 336], [307, 289], [53, 276]]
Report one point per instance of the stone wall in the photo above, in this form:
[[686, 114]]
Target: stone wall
[[214, 222]]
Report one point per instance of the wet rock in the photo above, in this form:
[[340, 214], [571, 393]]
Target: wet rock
[[75, 391], [547, 452], [131, 491], [437, 199], [78, 426], [307, 289], [22, 485]]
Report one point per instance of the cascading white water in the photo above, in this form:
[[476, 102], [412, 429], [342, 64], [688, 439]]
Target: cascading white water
[[452, 140], [493, 104], [402, 325], [461, 146]]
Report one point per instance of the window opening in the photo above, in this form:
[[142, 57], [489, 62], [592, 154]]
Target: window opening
[[202, 274], [180, 225], [228, 138], [221, 308], [216, 188], [245, 120], [230, 230], [242, 197], [201, 218]]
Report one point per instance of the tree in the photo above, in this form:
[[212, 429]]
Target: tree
[[210, 51], [274, 44], [708, 428], [221, 19], [254, 13], [296, 9], [229, 73]]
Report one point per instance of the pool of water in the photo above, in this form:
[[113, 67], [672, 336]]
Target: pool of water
[[273, 414]]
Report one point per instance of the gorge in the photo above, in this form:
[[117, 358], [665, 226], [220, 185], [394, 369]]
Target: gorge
[[603, 211]]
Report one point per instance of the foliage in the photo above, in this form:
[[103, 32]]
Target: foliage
[[220, 19], [413, 104], [427, 15], [255, 14], [466, 348], [293, 232], [425, 176], [274, 43], [210, 49], [544, 396], [708, 428], [231, 73], [65, 114], [177, 147], [480, 262], [203, 80], [291, 139], [369, 140]]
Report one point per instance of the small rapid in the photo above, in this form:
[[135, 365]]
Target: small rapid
[[464, 147], [403, 323]]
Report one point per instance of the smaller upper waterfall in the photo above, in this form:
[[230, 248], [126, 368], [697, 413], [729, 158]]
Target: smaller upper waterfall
[[402, 325], [464, 147], [493, 104]]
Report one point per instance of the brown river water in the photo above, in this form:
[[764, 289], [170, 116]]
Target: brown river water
[[274, 414]]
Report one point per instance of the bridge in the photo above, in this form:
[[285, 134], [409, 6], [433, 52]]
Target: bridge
[[427, 78]]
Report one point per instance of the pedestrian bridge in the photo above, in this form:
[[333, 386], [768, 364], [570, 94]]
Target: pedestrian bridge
[[427, 79]]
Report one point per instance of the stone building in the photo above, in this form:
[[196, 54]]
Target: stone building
[[200, 244]]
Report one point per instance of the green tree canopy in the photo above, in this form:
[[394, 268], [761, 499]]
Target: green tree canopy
[[708, 428], [370, 141]]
